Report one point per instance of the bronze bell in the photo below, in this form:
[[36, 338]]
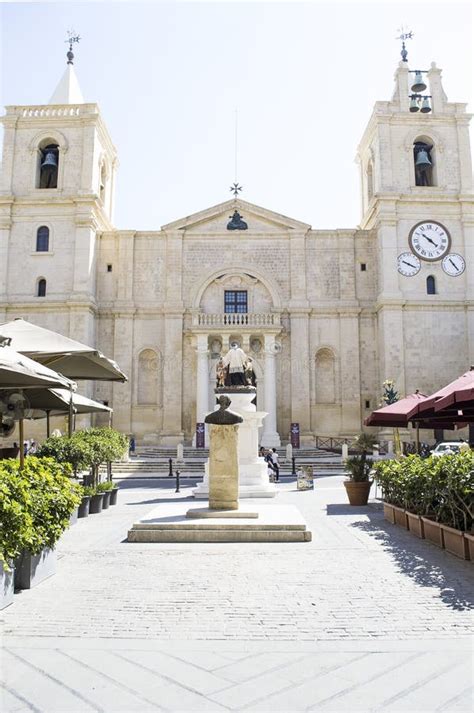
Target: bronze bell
[[422, 159], [49, 160], [418, 83]]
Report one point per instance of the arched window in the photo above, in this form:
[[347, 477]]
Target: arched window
[[148, 377], [325, 377], [430, 285], [424, 162], [42, 287], [48, 166], [42, 239]]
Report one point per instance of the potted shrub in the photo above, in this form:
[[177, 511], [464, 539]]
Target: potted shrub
[[96, 501], [51, 498], [359, 467], [87, 493], [114, 494], [16, 520], [106, 489]]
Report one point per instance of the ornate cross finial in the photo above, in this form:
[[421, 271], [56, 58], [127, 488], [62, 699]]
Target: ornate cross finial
[[235, 189], [72, 38], [405, 34]]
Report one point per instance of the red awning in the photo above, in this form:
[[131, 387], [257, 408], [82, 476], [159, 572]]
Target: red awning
[[443, 398], [396, 414]]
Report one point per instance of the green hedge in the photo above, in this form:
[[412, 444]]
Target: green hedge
[[441, 488], [36, 503]]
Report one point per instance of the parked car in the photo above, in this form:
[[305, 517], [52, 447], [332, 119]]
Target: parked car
[[446, 448]]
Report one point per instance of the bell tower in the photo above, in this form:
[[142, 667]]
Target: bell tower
[[417, 201], [56, 197]]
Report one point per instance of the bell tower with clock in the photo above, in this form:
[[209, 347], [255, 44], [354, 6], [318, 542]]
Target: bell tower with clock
[[417, 202]]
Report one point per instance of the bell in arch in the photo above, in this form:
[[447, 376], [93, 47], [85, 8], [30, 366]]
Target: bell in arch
[[422, 159], [425, 106], [49, 168], [418, 83], [414, 105]]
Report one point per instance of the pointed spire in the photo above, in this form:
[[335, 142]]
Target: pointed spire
[[68, 90]]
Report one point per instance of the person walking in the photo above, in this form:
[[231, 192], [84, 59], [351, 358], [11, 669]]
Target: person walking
[[276, 464]]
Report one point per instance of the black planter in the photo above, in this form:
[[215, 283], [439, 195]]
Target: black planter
[[73, 517], [113, 496], [106, 500], [95, 504], [30, 569], [6, 585], [84, 506]]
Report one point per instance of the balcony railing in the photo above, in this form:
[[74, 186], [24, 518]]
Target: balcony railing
[[245, 319]]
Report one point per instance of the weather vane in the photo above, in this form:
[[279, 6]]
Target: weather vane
[[72, 38], [235, 189], [405, 34]]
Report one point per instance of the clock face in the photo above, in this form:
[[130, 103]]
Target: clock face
[[453, 264], [429, 240], [408, 264]]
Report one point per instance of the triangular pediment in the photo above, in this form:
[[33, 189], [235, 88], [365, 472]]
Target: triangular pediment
[[216, 218]]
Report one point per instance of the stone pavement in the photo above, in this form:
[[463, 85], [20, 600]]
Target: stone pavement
[[363, 618]]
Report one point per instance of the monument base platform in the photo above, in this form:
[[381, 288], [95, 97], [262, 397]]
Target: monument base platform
[[201, 513], [169, 522]]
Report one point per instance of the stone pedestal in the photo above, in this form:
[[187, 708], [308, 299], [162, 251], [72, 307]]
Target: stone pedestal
[[253, 471], [223, 467]]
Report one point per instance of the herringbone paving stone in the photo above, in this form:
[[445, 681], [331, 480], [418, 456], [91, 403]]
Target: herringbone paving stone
[[363, 618]]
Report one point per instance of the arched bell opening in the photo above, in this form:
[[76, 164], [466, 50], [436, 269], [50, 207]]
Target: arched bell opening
[[424, 162]]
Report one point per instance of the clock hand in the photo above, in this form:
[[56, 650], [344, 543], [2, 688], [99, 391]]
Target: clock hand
[[454, 265], [431, 241], [408, 263]]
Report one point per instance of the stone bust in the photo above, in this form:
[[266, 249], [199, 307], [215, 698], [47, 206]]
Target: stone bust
[[223, 417]]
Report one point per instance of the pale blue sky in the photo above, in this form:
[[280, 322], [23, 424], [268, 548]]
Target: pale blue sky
[[168, 77]]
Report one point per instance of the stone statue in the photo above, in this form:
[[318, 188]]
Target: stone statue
[[236, 222], [249, 373], [235, 360], [223, 417], [221, 373]]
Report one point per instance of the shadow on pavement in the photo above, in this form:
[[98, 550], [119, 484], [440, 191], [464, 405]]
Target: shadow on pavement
[[421, 561], [346, 509]]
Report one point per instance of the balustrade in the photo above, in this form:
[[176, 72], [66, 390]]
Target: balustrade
[[245, 319]]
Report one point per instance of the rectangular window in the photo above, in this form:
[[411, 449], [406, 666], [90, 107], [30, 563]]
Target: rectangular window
[[363, 267], [235, 302]]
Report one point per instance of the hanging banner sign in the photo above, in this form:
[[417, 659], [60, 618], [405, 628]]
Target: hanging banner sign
[[295, 435], [200, 435]]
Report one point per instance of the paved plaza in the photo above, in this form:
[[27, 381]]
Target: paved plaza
[[365, 617]]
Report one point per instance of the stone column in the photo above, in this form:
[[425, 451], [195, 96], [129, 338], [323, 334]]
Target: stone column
[[223, 467], [172, 431], [202, 381], [270, 436], [299, 374]]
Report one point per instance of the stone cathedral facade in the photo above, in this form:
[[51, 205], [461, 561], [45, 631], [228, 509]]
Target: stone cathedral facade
[[327, 315]]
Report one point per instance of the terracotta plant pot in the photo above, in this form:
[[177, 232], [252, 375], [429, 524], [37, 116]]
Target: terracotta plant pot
[[400, 517], [433, 531], [469, 537], [455, 542], [358, 493], [415, 524], [389, 513]]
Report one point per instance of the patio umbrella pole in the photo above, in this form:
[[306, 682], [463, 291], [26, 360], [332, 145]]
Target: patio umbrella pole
[[69, 425], [22, 442], [418, 438], [47, 425]]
